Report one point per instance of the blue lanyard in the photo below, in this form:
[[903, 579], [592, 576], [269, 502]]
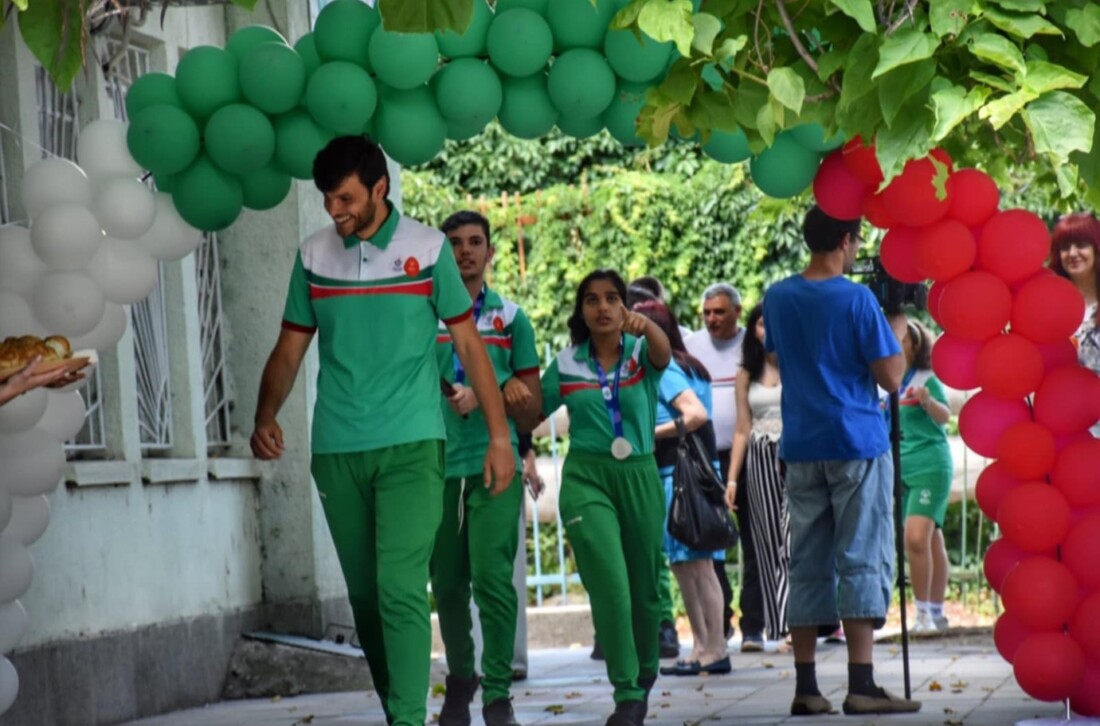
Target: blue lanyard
[[460, 372], [611, 394]]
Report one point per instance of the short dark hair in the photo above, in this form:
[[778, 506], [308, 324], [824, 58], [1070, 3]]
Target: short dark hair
[[347, 155], [464, 217], [650, 284], [824, 233], [578, 329]]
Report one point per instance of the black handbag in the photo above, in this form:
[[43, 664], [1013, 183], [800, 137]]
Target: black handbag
[[698, 516]]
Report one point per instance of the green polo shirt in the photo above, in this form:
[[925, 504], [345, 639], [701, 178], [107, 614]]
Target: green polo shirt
[[375, 306], [572, 379], [510, 341], [924, 447]]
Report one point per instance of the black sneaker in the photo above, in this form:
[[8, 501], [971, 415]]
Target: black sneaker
[[499, 713], [669, 640], [628, 713], [456, 702]]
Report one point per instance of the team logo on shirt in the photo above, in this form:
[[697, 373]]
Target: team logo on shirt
[[498, 324], [412, 267], [397, 264], [632, 365]]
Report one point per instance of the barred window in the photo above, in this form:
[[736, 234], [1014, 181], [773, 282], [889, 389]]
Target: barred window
[[212, 331], [127, 64]]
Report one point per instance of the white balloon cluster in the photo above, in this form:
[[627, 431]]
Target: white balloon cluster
[[95, 236]]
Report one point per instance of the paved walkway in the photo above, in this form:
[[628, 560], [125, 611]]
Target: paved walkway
[[961, 680]]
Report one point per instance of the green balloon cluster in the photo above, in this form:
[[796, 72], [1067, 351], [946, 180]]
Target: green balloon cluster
[[786, 168]]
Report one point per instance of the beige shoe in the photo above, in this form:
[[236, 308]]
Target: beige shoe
[[804, 705], [886, 703]]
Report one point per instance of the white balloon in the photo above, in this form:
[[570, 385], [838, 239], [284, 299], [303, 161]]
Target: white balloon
[[23, 413], [16, 570], [29, 518], [106, 334], [54, 181], [13, 624], [9, 684], [16, 316], [66, 236], [123, 270], [33, 463], [20, 267], [170, 238], [101, 150], [5, 508], [124, 206], [68, 303], [64, 416]]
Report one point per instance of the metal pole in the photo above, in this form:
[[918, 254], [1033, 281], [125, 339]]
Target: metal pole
[[899, 534]]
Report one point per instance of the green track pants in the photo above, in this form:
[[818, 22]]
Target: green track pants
[[474, 551], [383, 509], [613, 513]]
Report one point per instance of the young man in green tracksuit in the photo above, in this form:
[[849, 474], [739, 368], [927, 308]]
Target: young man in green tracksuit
[[374, 287], [478, 536]]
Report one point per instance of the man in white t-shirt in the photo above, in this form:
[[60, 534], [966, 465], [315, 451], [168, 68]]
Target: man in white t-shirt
[[718, 346]]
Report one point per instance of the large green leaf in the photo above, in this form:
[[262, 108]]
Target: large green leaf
[[906, 46], [730, 47], [855, 113], [1060, 124], [717, 107], [999, 50], [54, 32], [665, 20], [830, 62], [950, 106], [1022, 26], [787, 87], [858, 10], [680, 83], [898, 86], [907, 139], [992, 81], [426, 16], [1023, 6], [1042, 77], [999, 111], [1085, 22], [948, 17], [628, 15], [707, 27]]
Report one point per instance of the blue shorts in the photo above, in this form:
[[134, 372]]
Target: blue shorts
[[842, 540], [676, 550]]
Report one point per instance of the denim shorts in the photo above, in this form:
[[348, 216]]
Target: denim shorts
[[842, 540]]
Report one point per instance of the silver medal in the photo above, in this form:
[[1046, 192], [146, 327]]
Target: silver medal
[[621, 448]]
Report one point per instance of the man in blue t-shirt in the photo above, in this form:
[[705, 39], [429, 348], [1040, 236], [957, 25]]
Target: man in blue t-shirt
[[833, 346]]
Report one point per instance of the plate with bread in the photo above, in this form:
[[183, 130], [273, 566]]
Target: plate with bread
[[16, 353]]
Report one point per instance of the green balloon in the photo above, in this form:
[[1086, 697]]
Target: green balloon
[[207, 197], [812, 136], [468, 92], [164, 182], [472, 41], [206, 79], [239, 139], [463, 130], [579, 24], [538, 6], [341, 96], [520, 42], [273, 77], [410, 127], [527, 111], [403, 60], [580, 128], [621, 117], [580, 83], [785, 168], [307, 49], [297, 141], [163, 139], [727, 147], [265, 188], [152, 89], [249, 37], [635, 60], [342, 31]]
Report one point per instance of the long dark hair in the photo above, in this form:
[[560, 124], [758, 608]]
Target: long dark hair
[[1078, 227], [752, 350], [660, 313], [578, 329], [920, 337]]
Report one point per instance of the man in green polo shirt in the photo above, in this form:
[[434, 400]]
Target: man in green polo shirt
[[374, 288], [477, 539]]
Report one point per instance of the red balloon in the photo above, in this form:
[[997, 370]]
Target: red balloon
[[935, 292], [1075, 473], [837, 191], [955, 361], [1009, 366], [974, 197], [975, 305], [1057, 354], [985, 417], [944, 158], [1081, 551], [874, 209], [1008, 634], [1014, 245], [1047, 309], [1027, 450], [999, 560], [898, 255], [1049, 666], [861, 162], [945, 249], [993, 483], [1043, 272], [1041, 592], [1087, 699], [912, 199], [1061, 442], [1084, 627], [1068, 400], [1034, 517]]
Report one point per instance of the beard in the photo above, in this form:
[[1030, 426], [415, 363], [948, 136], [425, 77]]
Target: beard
[[369, 215]]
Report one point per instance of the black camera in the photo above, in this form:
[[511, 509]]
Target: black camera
[[891, 294]]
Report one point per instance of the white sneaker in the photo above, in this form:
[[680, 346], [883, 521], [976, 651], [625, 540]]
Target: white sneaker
[[924, 623], [942, 623]]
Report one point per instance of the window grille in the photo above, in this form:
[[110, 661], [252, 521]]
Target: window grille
[[212, 340], [154, 397], [125, 69], [58, 123]]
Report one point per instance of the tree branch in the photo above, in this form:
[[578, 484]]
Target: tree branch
[[906, 14], [781, 6]]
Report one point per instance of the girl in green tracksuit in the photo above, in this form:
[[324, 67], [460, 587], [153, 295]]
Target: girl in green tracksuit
[[612, 500]]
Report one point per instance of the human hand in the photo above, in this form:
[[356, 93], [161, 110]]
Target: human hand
[[267, 440], [531, 476], [922, 395], [731, 495], [633, 323], [516, 393], [27, 380], [500, 465], [463, 401]]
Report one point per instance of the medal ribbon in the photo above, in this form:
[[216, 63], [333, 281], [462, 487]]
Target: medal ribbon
[[611, 394], [460, 372]]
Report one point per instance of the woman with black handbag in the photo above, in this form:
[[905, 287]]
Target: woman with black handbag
[[685, 397]]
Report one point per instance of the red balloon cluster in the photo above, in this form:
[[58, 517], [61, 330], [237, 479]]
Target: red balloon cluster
[[1007, 323]]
